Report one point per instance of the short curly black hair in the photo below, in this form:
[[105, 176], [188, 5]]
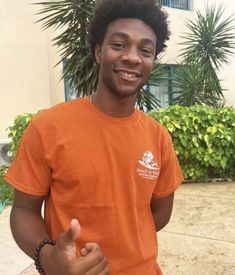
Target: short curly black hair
[[148, 11]]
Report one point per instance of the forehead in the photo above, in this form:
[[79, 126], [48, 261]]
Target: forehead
[[132, 27]]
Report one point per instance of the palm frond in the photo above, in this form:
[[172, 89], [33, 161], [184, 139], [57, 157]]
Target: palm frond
[[195, 85], [210, 38]]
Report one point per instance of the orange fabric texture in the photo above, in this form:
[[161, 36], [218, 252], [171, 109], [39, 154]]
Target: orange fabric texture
[[102, 171]]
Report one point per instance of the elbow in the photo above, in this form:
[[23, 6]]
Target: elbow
[[161, 222]]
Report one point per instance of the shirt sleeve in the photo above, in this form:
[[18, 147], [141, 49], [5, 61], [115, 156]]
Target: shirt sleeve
[[170, 174], [30, 172]]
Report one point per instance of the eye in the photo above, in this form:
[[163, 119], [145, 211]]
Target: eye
[[147, 52], [118, 45]]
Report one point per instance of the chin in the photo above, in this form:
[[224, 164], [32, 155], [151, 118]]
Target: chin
[[126, 93]]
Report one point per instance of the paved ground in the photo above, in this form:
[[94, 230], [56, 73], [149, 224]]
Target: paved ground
[[200, 239]]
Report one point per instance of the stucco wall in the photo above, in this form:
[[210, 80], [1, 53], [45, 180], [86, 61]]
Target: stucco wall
[[28, 81], [177, 19]]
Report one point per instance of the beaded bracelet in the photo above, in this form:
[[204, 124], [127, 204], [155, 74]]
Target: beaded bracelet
[[37, 254]]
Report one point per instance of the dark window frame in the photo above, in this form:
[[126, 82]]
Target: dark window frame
[[169, 77], [176, 4]]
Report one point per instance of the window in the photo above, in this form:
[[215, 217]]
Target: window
[[177, 4], [165, 90], [68, 92]]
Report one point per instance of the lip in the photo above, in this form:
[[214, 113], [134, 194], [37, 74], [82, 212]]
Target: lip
[[127, 71], [127, 75]]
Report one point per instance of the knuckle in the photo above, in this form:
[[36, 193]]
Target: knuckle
[[99, 256], [96, 246]]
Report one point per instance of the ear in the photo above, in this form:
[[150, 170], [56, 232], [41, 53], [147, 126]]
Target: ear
[[97, 53]]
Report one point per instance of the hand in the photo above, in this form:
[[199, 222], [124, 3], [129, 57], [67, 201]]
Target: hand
[[61, 258]]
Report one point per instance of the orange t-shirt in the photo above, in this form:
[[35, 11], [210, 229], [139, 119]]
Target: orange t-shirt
[[102, 171]]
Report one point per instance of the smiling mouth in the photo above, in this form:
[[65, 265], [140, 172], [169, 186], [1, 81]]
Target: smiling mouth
[[128, 75]]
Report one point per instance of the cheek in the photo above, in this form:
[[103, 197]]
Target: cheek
[[148, 67], [106, 61]]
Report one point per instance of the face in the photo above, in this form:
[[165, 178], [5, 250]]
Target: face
[[126, 57]]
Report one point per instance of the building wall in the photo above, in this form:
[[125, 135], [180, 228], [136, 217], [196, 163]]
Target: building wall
[[28, 80], [177, 19]]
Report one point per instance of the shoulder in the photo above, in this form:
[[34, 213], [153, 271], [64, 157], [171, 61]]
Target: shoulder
[[58, 119], [154, 126], [64, 108], [62, 112]]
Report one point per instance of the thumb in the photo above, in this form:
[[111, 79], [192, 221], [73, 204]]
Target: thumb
[[72, 234]]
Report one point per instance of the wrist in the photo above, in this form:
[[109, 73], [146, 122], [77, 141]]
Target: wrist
[[42, 253]]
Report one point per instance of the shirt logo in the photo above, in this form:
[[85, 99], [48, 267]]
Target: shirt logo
[[147, 161], [151, 170]]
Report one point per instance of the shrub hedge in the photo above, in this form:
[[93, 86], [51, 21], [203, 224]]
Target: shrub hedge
[[204, 139], [6, 191], [15, 134], [17, 129]]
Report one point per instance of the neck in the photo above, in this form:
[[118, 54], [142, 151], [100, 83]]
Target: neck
[[114, 105]]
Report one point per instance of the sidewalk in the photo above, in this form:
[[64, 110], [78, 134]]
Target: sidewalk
[[200, 238]]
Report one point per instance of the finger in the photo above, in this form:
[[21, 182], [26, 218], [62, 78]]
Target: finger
[[72, 234], [92, 247], [105, 271], [101, 268], [84, 252], [84, 264], [75, 229]]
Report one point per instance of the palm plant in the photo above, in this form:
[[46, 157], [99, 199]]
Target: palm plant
[[194, 85], [71, 17], [208, 46]]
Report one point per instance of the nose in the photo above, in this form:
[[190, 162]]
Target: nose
[[131, 56]]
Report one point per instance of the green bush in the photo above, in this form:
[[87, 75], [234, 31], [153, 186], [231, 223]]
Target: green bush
[[15, 134], [6, 191], [17, 130], [204, 139]]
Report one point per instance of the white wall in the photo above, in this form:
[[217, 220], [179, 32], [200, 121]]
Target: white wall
[[177, 19], [27, 80]]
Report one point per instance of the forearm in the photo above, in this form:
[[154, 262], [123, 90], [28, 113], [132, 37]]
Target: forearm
[[28, 229]]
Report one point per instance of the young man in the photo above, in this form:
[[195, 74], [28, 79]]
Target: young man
[[100, 161]]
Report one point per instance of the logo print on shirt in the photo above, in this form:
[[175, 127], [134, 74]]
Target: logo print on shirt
[[148, 162], [151, 170]]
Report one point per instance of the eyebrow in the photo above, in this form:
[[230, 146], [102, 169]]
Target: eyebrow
[[126, 36]]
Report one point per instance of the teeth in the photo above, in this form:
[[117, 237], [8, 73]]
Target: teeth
[[129, 75]]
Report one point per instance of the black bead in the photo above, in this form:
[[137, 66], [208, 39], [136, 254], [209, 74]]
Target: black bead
[[37, 254]]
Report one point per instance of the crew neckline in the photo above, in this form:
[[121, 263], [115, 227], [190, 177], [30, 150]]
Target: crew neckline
[[106, 117]]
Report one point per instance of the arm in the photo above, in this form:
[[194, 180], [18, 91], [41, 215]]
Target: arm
[[28, 229], [27, 224], [161, 209]]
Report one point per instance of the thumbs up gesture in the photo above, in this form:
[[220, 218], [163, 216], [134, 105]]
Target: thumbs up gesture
[[61, 258]]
